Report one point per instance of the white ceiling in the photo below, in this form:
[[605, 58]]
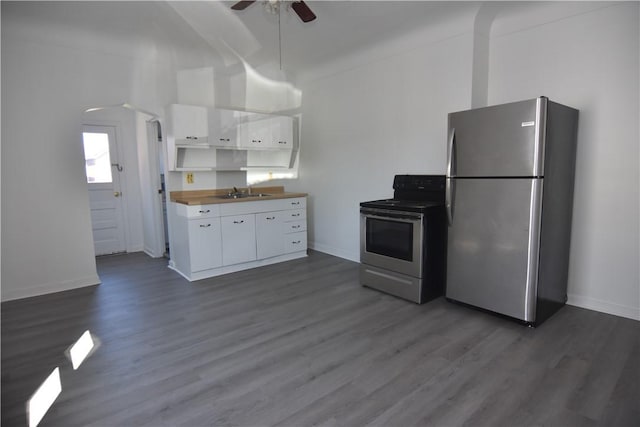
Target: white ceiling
[[341, 28], [219, 33]]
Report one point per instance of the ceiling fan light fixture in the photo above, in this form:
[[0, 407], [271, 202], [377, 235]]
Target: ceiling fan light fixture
[[272, 6]]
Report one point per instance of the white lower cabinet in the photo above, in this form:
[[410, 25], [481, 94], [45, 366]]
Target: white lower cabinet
[[238, 239], [205, 243], [210, 240], [269, 234]]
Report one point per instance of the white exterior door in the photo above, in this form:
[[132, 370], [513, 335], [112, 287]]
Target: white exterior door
[[105, 196]]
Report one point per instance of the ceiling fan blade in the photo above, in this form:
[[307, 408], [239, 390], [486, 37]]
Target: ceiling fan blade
[[303, 11], [242, 5]]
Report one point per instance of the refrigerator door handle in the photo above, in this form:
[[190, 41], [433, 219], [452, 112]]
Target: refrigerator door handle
[[449, 190], [451, 170], [450, 195]]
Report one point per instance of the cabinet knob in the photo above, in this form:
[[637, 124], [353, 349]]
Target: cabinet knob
[[295, 203], [238, 222], [296, 242], [116, 194], [282, 142], [192, 137], [205, 211], [295, 214], [205, 225], [271, 217], [295, 226]]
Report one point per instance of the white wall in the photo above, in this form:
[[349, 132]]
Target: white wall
[[50, 76], [366, 123], [588, 60]]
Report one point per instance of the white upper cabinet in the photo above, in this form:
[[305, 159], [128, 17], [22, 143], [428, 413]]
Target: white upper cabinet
[[205, 138], [223, 127], [282, 132], [255, 131], [189, 124], [266, 131]]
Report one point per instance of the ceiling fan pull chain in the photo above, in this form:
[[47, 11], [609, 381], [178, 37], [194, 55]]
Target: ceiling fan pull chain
[[280, 38]]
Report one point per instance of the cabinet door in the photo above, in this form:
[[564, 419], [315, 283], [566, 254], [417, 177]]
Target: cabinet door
[[269, 234], [189, 123], [259, 134], [205, 244], [282, 132], [238, 239], [255, 132], [223, 127]]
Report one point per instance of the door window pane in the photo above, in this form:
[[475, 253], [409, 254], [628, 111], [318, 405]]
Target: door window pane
[[96, 156]]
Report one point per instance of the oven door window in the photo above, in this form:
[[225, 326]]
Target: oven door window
[[390, 238]]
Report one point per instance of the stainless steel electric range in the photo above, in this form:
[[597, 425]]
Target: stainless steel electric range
[[403, 241]]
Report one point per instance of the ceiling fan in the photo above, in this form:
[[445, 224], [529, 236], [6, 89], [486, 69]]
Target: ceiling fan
[[299, 7]]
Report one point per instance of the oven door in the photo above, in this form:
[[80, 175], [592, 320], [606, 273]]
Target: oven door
[[392, 240]]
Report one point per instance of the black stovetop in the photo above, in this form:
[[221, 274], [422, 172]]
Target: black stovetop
[[413, 193]]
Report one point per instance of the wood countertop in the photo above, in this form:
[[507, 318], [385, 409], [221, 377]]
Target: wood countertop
[[208, 197]]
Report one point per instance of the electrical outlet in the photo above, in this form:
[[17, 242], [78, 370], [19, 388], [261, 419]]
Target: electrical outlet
[[189, 178]]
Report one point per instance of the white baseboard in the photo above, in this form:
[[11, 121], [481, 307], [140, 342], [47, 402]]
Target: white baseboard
[[151, 254], [205, 274], [604, 306], [355, 257], [135, 248], [48, 288]]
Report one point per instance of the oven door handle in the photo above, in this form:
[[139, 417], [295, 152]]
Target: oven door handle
[[385, 216]]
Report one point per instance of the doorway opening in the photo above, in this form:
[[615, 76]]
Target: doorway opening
[[103, 181], [126, 192]]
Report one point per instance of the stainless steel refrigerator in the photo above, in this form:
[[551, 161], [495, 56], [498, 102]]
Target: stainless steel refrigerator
[[509, 201]]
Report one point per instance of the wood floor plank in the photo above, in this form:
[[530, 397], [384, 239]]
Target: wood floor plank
[[302, 343]]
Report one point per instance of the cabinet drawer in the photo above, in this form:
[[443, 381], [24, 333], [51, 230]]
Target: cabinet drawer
[[295, 242], [295, 226], [297, 203], [198, 211], [295, 215]]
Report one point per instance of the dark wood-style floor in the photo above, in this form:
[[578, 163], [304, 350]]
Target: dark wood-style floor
[[302, 343]]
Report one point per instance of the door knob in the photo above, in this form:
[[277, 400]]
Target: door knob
[[116, 194]]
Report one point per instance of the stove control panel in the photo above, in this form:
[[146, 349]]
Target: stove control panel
[[419, 182]]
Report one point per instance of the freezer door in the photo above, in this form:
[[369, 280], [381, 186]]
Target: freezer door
[[493, 245], [500, 141]]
